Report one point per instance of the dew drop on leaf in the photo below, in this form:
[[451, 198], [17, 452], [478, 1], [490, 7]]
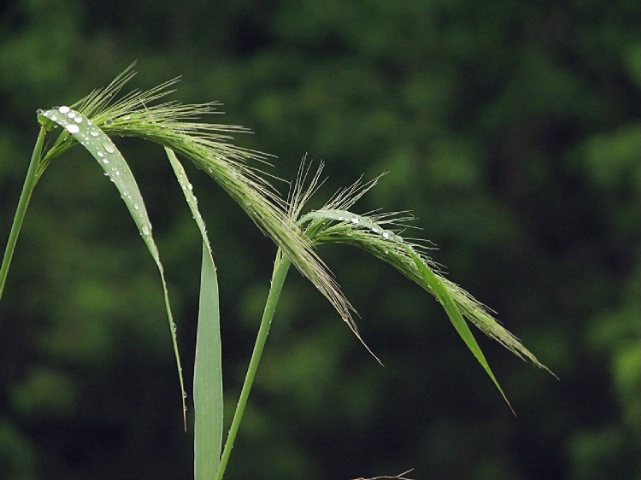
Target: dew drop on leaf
[[72, 128], [64, 109]]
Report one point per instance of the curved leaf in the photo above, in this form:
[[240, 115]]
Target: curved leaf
[[454, 314], [100, 146]]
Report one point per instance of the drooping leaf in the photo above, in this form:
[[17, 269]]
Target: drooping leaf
[[455, 317], [100, 146]]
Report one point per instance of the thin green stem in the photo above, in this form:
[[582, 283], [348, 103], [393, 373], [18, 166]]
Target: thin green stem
[[281, 267], [23, 203]]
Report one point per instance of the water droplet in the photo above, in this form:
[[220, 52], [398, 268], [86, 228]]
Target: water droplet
[[78, 119], [72, 128], [127, 117], [105, 161], [354, 220], [40, 111], [54, 118], [64, 109], [109, 147], [94, 133], [386, 235], [71, 114], [145, 230]]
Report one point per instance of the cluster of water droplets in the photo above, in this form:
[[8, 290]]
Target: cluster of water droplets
[[368, 224], [110, 159], [188, 191]]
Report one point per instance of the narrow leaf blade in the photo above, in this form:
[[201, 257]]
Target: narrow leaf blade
[[456, 318], [208, 375], [100, 146]]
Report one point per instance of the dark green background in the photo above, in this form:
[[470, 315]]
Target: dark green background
[[511, 129]]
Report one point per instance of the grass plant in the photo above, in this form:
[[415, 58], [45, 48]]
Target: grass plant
[[180, 130]]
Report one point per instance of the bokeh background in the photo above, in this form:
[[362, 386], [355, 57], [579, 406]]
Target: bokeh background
[[510, 129]]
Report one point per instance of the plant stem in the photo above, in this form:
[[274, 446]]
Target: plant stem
[[23, 203], [281, 266]]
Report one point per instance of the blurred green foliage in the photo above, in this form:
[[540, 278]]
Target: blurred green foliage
[[510, 129]]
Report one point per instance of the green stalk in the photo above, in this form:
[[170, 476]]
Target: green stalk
[[23, 203], [281, 266]]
